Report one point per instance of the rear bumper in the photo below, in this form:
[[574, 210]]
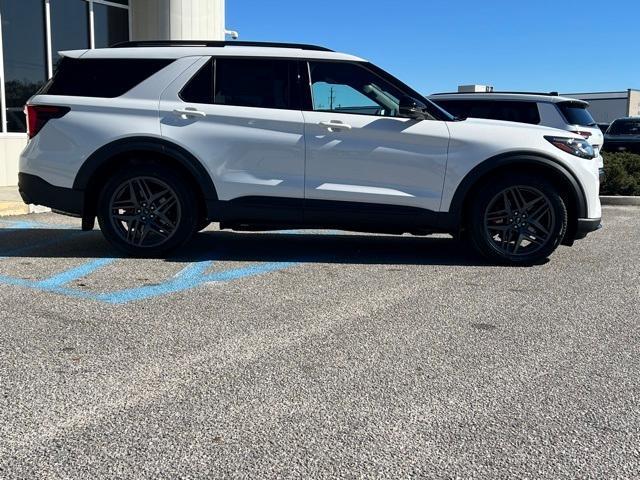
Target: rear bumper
[[586, 226], [34, 189]]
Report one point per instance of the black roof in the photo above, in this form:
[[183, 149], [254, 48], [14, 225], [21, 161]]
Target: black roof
[[216, 43]]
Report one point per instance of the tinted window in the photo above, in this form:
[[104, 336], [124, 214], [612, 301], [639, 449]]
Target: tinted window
[[511, 111], [111, 25], [576, 114], [350, 88], [262, 83], [106, 78], [24, 56], [624, 127], [200, 88]]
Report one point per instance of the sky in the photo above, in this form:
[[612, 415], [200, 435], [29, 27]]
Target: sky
[[435, 45]]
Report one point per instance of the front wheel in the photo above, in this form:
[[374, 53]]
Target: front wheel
[[518, 219], [147, 210]]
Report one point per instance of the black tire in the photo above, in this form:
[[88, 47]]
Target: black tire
[[147, 210], [517, 219]]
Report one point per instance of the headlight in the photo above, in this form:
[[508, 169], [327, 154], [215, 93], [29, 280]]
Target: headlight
[[574, 146]]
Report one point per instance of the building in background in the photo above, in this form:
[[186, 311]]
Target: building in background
[[605, 107], [33, 31]]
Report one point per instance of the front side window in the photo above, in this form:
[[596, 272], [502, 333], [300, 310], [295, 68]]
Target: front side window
[[259, 83], [350, 88]]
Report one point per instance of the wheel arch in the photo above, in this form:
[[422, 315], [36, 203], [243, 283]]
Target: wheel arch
[[115, 155], [528, 162]]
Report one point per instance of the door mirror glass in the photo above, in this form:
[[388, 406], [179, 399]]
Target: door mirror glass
[[412, 108]]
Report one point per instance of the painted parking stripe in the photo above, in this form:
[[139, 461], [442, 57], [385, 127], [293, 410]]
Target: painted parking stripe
[[190, 277], [73, 273]]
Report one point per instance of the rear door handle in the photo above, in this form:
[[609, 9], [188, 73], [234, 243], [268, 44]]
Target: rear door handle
[[189, 112], [333, 126]]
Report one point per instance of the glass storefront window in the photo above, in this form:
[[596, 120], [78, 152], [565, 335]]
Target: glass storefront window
[[25, 67], [25, 57], [69, 26], [111, 25]]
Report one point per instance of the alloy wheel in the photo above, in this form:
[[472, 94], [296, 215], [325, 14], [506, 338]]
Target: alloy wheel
[[145, 211], [519, 221]]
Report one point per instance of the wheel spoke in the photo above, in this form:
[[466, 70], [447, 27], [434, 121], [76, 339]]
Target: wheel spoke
[[518, 243]]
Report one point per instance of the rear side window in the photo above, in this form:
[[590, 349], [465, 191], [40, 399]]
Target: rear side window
[[576, 114], [261, 83], [107, 78], [510, 111]]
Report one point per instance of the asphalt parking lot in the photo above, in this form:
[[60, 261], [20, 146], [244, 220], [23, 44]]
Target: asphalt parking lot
[[317, 355]]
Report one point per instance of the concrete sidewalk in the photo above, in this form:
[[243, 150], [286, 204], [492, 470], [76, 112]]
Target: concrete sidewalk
[[11, 203]]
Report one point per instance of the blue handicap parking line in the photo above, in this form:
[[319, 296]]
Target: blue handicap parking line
[[73, 274], [193, 275]]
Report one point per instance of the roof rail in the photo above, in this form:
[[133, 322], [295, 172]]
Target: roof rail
[[550, 94], [216, 43]]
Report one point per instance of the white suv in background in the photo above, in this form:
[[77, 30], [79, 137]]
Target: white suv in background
[[157, 139], [548, 109]]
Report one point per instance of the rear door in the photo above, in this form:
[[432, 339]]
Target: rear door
[[241, 117]]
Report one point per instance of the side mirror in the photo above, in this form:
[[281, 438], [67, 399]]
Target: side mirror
[[412, 108]]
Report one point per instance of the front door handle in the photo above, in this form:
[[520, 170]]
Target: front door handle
[[333, 126], [185, 113]]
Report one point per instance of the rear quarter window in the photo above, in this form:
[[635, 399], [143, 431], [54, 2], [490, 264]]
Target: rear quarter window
[[576, 114], [507, 110], [106, 78]]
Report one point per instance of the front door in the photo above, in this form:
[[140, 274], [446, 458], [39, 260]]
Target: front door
[[360, 150]]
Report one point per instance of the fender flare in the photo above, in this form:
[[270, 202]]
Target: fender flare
[[106, 153], [516, 158]]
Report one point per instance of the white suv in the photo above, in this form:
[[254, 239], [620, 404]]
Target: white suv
[[157, 139]]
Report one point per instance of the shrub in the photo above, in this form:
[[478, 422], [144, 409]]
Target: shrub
[[622, 174]]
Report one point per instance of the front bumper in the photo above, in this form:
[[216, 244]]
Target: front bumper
[[586, 226], [34, 189]]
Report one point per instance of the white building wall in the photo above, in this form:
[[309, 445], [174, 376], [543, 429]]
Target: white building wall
[[10, 147], [177, 19]]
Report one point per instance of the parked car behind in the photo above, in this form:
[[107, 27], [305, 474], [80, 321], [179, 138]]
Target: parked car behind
[[623, 135], [548, 109]]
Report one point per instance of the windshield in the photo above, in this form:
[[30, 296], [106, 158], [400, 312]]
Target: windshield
[[624, 127], [576, 114]]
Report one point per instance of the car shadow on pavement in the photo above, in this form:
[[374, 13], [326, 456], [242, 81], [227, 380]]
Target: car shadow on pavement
[[300, 247]]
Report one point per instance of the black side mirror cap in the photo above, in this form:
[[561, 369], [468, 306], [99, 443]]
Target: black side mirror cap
[[412, 108]]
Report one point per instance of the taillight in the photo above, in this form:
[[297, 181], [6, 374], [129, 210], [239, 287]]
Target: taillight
[[39, 115], [584, 135]]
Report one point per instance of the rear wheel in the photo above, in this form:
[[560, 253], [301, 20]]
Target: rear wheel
[[518, 219], [147, 210]]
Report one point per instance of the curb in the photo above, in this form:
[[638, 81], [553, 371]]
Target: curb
[[9, 208], [619, 200]]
